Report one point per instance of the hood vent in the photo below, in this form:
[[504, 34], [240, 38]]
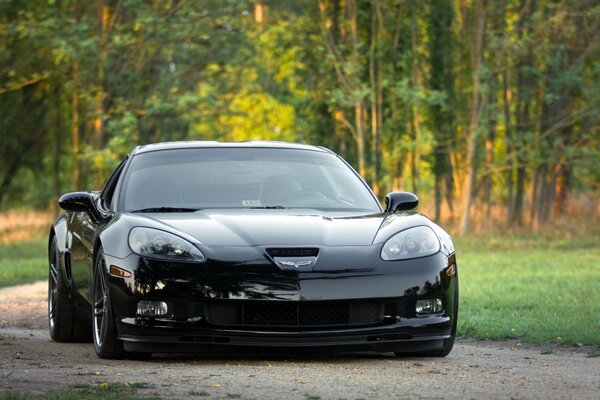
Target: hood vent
[[293, 252]]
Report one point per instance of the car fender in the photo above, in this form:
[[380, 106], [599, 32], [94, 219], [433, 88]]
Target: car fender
[[60, 232]]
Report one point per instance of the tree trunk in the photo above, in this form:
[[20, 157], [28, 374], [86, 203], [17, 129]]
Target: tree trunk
[[374, 82], [525, 86], [9, 176], [415, 159], [508, 138], [17, 161], [358, 102], [474, 119], [563, 185], [75, 167], [259, 13], [441, 79], [57, 147], [489, 160], [104, 18]]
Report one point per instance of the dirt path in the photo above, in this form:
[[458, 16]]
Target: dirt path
[[30, 362], [24, 306]]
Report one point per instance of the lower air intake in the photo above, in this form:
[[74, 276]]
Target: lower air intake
[[294, 314]]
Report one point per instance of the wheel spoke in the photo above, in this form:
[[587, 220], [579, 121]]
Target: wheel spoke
[[53, 287], [103, 280], [52, 298], [54, 273], [99, 303]]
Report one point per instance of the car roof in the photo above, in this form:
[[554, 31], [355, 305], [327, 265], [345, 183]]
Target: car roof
[[197, 144]]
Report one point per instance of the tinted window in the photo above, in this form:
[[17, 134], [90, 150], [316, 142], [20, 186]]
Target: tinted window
[[243, 177], [109, 187]]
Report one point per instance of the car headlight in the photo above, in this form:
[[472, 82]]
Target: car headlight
[[154, 243], [419, 241]]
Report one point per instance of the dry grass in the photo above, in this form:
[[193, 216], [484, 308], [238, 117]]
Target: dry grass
[[19, 225], [580, 218]]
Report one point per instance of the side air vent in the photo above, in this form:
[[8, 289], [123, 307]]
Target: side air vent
[[68, 272], [293, 252]]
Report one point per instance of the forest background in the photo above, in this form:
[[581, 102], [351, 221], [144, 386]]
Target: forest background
[[487, 109]]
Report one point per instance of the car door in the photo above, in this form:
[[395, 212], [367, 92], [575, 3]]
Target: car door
[[84, 230]]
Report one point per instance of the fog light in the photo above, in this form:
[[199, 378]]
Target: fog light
[[429, 306], [152, 308]]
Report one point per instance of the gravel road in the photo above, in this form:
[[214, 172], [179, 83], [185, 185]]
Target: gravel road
[[31, 363]]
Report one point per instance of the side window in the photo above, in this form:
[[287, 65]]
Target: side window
[[109, 188]]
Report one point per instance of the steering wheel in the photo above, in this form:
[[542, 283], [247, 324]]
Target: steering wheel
[[304, 195]]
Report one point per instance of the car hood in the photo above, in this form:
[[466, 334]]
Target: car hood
[[273, 227]]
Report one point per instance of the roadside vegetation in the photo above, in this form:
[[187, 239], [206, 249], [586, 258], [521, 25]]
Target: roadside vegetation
[[23, 246], [23, 261], [101, 391], [473, 104]]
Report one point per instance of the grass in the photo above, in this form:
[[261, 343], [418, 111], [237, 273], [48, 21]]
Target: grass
[[536, 289], [102, 391], [23, 261]]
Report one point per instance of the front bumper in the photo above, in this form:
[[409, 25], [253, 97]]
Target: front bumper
[[386, 339], [192, 289]]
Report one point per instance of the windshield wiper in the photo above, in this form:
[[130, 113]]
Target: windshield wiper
[[166, 209]]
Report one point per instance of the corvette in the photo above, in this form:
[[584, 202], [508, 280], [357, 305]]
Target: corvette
[[204, 246]]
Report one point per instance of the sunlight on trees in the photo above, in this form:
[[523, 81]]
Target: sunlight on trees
[[481, 107]]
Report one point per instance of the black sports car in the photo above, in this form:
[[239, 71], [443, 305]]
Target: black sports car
[[196, 246]]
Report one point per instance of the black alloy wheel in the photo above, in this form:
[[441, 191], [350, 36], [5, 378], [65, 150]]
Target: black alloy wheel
[[106, 343], [54, 259], [448, 343], [64, 324]]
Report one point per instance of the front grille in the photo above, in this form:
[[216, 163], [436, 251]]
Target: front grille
[[294, 314], [293, 252]]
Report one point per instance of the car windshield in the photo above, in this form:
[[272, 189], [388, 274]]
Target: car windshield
[[180, 180]]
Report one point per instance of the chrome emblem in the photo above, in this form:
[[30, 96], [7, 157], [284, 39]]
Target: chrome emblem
[[296, 264]]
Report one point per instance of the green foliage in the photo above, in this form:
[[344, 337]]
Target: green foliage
[[387, 83], [246, 113]]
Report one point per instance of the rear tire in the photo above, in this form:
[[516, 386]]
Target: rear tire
[[63, 323], [106, 343]]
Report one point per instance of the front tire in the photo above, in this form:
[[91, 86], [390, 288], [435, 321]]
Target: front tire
[[448, 343], [106, 343], [63, 323]]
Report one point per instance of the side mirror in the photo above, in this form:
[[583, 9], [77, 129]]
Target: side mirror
[[80, 202], [400, 201]]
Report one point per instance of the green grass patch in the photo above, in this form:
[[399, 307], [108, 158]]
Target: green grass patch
[[23, 262], [102, 391], [534, 289]]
